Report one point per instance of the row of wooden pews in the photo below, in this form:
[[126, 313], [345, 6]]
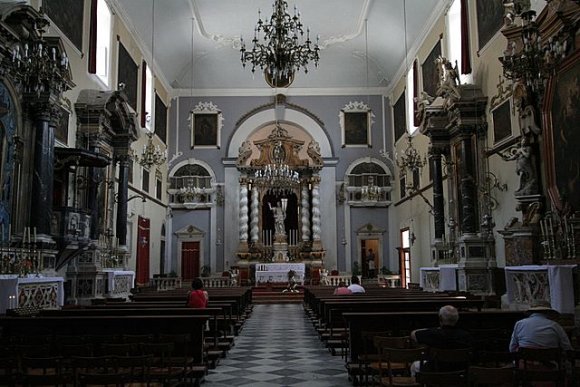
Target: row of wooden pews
[[346, 324], [203, 335]]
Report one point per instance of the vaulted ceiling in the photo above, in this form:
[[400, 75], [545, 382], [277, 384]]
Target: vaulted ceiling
[[392, 28]]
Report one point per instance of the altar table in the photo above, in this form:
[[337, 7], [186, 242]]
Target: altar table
[[30, 291], [278, 272]]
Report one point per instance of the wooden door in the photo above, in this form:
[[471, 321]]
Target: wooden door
[[189, 260], [142, 268]]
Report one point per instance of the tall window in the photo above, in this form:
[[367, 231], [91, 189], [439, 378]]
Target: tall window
[[405, 257], [103, 49], [145, 181], [453, 25], [410, 104], [149, 87]]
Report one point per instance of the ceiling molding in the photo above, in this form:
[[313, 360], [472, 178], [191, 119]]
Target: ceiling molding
[[294, 91], [363, 15], [221, 40]]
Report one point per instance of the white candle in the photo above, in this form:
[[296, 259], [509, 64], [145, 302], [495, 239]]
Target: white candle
[[34, 234], [542, 228]]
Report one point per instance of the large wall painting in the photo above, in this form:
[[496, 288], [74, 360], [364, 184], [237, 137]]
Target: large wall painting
[[68, 16], [489, 20], [128, 74], [429, 71]]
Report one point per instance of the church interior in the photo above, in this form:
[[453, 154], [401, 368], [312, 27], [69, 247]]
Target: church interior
[[420, 145]]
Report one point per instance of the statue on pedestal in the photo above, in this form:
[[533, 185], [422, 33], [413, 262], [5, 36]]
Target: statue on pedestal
[[279, 217]]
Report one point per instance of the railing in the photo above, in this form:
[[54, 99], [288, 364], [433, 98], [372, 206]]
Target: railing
[[218, 282], [334, 280], [390, 280], [166, 283]]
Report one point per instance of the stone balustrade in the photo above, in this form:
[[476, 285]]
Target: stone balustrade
[[166, 283]]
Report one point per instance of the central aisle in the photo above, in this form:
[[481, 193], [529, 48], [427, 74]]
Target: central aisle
[[277, 347]]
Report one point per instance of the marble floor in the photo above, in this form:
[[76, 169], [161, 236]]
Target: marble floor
[[278, 346]]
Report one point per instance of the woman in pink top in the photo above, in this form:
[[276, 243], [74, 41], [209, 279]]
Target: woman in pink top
[[197, 297], [341, 289]]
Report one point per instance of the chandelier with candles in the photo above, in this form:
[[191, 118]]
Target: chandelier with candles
[[278, 47], [411, 159], [277, 177], [152, 154]]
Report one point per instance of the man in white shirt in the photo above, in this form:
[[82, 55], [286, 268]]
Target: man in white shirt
[[355, 285]]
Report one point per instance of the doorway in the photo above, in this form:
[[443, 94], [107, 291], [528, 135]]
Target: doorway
[[405, 258], [189, 261], [369, 253]]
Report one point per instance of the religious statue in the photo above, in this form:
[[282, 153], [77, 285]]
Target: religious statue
[[279, 217], [524, 167], [314, 152], [448, 79]]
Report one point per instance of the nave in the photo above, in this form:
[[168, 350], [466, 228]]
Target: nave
[[278, 347]]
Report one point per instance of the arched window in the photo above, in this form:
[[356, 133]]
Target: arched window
[[368, 185], [192, 183]]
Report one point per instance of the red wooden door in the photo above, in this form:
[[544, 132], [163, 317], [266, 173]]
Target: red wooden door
[[142, 268], [189, 260]]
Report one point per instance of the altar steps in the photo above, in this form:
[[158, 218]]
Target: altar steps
[[276, 296]]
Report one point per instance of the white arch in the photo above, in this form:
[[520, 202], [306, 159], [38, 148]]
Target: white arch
[[367, 160], [259, 119], [192, 160]]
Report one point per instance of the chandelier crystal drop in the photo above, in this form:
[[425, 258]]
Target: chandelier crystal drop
[[277, 177], [278, 46], [152, 154]]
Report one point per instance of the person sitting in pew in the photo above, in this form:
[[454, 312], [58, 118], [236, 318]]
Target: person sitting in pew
[[539, 330], [355, 286], [446, 336], [197, 297], [342, 290]]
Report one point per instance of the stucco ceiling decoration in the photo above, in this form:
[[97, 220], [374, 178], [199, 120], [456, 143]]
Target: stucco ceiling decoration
[[220, 24]]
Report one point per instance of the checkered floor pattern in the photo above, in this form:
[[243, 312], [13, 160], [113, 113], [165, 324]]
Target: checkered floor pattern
[[277, 347]]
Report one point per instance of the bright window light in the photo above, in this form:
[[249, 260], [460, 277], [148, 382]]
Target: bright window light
[[453, 25], [149, 100], [411, 128], [103, 41]]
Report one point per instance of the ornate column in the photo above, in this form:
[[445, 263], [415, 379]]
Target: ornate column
[[254, 229], [305, 211], [122, 196], [243, 220], [438, 202], [316, 222], [468, 128], [43, 175]]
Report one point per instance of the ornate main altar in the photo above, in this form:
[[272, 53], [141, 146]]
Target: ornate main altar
[[279, 200]]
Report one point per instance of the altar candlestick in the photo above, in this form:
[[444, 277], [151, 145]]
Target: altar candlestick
[[542, 229]]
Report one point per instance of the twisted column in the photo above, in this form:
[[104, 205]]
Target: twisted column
[[316, 230], [243, 211], [254, 230], [305, 220]]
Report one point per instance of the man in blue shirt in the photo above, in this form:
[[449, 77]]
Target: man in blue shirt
[[539, 330]]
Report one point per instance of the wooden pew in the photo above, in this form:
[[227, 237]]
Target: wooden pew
[[192, 325], [402, 323]]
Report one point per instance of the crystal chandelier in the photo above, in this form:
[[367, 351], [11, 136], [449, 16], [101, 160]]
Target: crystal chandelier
[[39, 63], [279, 52], [410, 159], [152, 154], [277, 177], [537, 60]]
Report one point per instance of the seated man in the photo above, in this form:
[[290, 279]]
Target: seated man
[[446, 336], [355, 286], [539, 330]]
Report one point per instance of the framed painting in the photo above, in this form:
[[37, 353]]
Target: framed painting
[[399, 117], [561, 115], [68, 15], [160, 119], [489, 20], [206, 125], [502, 122], [355, 122], [61, 128], [127, 74], [429, 71]]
